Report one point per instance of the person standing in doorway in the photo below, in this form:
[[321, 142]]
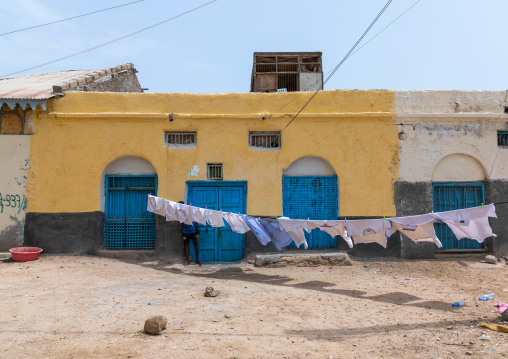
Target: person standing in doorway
[[190, 232]]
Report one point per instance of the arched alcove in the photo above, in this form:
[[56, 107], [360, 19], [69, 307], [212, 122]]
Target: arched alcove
[[125, 166], [310, 189], [459, 167], [310, 166]]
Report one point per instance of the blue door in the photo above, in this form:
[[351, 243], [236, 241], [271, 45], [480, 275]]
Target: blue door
[[128, 224], [219, 244], [451, 196], [313, 197]]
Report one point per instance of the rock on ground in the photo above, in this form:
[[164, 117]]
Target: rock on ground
[[155, 325], [210, 292], [491, 259]]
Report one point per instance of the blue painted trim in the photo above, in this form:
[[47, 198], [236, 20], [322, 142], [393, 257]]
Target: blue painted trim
[[459, 184], [192, 184], [117, 176], [106, 177], [215, 183], [11, 102], [502, 132]]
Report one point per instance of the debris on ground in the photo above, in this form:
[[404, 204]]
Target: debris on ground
[[155, 325], [210, 292], [491, 259], [494, 327]]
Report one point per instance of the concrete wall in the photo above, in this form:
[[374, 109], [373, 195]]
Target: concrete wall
[[14, 157], [450, 136], [117, 81], [15, 128], [83, 132], [311, 81]]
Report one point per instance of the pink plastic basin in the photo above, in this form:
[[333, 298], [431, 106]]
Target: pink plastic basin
[[25, 254]]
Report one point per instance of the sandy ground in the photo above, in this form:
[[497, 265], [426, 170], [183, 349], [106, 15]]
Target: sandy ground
[[90, 307]]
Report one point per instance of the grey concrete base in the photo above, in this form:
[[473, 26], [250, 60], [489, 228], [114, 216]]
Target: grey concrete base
[[412, 250], [131, 255], [254, 247], [69, 233], [300, 259], [169, 239], [411, 199], [497, 191]]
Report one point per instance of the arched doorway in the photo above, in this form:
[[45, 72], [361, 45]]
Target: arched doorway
[[310, 190], [127, 183], [456, 184]]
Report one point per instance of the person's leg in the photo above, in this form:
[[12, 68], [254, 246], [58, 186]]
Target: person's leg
[[186, 247], [196, 249]]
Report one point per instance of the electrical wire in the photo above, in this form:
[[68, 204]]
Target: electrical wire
[[342, 61], [112, 41], [361, 47], [70, 18]]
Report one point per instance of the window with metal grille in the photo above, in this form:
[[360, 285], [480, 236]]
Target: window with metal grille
[[177, 139], [214, 171], [264, 139], [502, 138]]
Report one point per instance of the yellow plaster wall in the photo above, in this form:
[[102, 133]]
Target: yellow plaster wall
[[353, 130]]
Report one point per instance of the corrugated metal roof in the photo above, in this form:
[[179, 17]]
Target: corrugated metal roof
[[40, 86]]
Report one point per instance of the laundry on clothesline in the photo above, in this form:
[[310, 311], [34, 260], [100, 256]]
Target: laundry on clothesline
[[470, 223]]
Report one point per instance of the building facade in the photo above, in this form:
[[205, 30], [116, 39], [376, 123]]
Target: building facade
[[23, 98], [94, 157]]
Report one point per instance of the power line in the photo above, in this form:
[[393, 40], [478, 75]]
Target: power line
[[70, 18], [342, 61], [112, 41], [361, 47], [372, 38]]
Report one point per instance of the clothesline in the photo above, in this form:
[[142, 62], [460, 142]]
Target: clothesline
[[469, 223]]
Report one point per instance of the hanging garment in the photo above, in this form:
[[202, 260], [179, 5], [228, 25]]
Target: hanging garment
[[258, 230], [368, 230], [214, 218], [418, 228], [171, 214], [198, 215], [184, 214], [236, 222], [158, 207], [279, 237], [470, 223], [150, 207], [295, 227], [333, 228]]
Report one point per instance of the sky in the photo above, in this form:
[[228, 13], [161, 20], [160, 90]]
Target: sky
[[438, 44]]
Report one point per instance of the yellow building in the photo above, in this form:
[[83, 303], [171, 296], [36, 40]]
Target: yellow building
[[226, 150]]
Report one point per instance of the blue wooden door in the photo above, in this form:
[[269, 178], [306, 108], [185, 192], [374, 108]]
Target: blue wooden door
[[451, 196], [313, 197], [218, 244], [128, 225]]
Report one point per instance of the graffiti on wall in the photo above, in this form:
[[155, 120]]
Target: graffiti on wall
[[15, 201]]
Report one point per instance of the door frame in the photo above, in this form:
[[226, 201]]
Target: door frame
[[218, 184], [106, 196], [483, 246], [191, 184]]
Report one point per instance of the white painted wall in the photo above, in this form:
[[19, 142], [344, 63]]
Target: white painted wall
[[14, 157], [128, 165], [436, 124], [309, 166], [311, 81]]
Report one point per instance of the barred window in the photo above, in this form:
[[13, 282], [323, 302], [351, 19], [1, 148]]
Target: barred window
[[214, 171], [264, 139], [502, 138], [177, 139]]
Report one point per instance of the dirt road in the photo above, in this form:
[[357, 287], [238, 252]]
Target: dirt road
[[90, 307]]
